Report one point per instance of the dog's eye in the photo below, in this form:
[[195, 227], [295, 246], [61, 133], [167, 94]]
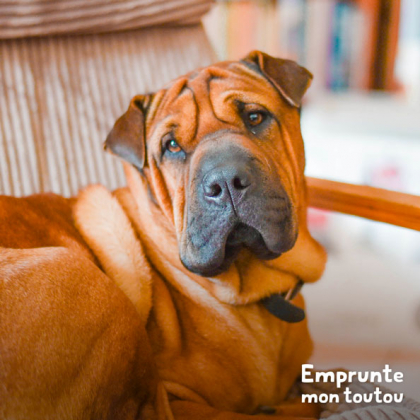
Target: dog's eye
[[172, 146], [255, 118]]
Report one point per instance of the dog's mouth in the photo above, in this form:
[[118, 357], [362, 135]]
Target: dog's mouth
[[240, 236], [245, 236], [280, 304]]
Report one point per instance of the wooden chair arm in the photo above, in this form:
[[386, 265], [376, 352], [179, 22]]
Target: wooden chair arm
[[371, 203]]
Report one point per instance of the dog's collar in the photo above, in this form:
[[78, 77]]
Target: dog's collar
[[280, 305]]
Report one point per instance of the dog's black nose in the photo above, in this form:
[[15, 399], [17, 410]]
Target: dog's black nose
[[227, 182]]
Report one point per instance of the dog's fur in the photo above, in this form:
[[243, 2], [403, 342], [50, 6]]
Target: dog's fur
[[196, 341]]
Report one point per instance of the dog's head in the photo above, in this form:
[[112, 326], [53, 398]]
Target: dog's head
[[223, 156]]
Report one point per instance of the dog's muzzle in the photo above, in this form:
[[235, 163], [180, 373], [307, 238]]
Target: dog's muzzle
[[236, 202]]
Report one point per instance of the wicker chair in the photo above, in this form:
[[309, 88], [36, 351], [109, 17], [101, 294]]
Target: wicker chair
[[68, 68]]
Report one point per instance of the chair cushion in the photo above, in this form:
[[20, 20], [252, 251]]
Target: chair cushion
[[23, 18]]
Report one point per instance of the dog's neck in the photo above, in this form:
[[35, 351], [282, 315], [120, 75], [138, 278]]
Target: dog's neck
[[247, 280]]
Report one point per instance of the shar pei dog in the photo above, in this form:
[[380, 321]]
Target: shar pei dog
[[176, 297]]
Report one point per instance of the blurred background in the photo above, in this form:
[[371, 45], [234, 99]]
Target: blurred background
[[361, 124]]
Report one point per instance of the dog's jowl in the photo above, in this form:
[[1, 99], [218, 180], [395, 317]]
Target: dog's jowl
[[177, 296]]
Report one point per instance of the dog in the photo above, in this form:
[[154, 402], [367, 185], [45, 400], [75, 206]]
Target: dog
[[176, 297]]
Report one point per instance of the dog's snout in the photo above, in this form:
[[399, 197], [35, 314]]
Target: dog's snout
[[224, 183]]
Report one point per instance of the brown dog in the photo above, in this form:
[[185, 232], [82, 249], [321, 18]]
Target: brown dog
[[205, 241]]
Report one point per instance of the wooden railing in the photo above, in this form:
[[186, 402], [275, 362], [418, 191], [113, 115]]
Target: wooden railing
[[371, 203]]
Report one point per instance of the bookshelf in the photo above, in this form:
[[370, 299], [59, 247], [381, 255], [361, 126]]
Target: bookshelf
[[347, 44]]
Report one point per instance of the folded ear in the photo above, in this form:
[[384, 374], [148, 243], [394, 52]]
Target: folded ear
[[290, 79], [127, 137]]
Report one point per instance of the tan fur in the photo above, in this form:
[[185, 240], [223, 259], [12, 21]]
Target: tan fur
[[99, 317], [254, 337], [110, 235]]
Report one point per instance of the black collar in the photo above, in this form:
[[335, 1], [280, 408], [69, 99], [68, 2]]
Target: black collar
[[280, 305]]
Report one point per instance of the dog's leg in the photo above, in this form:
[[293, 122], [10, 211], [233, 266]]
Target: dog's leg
[[185, 410], [72, 346]]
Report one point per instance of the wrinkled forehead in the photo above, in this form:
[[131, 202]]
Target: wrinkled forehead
[[229, 80], [213, 91]]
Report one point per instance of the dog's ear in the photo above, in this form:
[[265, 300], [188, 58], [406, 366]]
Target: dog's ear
[[290, 79], [127, 137]]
